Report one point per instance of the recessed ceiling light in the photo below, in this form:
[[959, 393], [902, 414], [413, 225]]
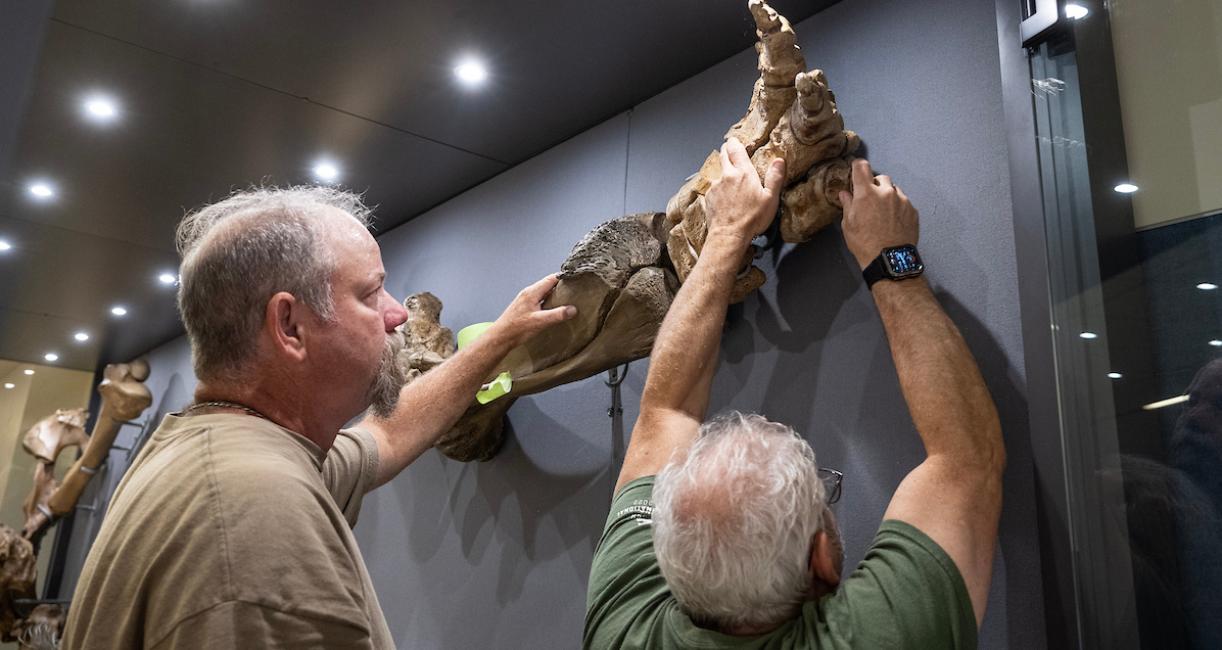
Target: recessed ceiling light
[[118, 310], [167, 278], [51, 356], [1207, 286], [326, 171], [81, 336], [1075, 11], [42, 190], [101, 108], [1216, 343], [471, 72], [10, 386], [1126, 188], [5, 246], [1089, 335], [28, 371], [1114, 375]]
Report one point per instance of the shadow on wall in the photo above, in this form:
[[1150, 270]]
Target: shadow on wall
[[535, 513], [1023, 587]]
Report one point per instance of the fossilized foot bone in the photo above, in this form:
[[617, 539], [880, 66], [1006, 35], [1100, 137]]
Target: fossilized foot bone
[[617, 276], [54, 433], [814, 204], [425, 342], [17, 568], [792, 116], [124, 396], [780, 60]]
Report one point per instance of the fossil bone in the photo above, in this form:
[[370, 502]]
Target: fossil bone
[[54, 433], [42, 629], [17, 567], [124, 396], [425, 343], [623, 275]]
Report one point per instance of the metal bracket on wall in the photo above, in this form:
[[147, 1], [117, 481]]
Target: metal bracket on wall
[[615, 377], [1041, 17]]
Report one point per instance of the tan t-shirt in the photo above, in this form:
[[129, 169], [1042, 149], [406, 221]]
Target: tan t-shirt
[[230, 531]]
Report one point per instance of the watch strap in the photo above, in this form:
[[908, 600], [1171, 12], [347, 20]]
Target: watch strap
[[875, 271]]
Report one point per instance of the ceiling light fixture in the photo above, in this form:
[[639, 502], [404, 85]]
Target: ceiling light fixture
[[326, 171], [1126, 188], [10, 386], [28, 371], [1075, 11], [471, 72], [1207, 286], [5, 246], [1114, 375], [101, 108], [42, 190], [118, 310], [1216, 343], [1170, 401], [167, 278], [81, 337], [1088, 335], [51, 356]]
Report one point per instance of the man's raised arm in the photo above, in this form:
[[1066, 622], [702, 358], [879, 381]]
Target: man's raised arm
[[685, 352], [429, 406], [954, 496]]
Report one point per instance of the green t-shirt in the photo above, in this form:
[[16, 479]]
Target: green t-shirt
[[906, 593]]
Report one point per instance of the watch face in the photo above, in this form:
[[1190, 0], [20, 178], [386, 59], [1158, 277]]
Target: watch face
[[903, 261]]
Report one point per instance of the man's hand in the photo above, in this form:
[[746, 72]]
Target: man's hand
[[877, 215], [737, 205], [429, 406], [525, 316]]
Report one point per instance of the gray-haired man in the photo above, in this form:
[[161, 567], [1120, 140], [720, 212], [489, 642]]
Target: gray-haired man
[[743, 551], [233, 527]]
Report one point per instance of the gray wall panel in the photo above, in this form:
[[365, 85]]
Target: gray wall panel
[[497, 554]]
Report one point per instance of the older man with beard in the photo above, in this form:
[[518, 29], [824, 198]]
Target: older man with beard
[[233, 527]]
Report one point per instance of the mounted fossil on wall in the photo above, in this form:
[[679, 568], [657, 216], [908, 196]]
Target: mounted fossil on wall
[[124, 397], [623, 274]]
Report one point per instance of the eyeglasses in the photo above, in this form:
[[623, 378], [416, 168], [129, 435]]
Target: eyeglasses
[[831, 480]]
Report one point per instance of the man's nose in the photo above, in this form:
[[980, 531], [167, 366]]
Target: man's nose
[[395, 315]]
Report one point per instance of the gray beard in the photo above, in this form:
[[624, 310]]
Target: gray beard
[[384, 392]]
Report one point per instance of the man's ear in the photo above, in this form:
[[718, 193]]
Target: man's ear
[[823, 555], [284, 322]]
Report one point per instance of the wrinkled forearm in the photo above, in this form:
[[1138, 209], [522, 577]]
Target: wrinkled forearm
[[430, 406], [683, 354], [946, 395]]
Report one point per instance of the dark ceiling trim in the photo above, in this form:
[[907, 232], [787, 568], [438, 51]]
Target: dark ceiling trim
[[273, 89], [89, 234]]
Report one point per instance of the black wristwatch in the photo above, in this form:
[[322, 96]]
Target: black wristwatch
[[895, 263]]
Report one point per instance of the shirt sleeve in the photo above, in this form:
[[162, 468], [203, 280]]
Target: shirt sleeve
[[906, 593], [238, 624], [350, 469], [627, 590]]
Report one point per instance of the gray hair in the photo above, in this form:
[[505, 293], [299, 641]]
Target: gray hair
[[239, 252], [733, 522]]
